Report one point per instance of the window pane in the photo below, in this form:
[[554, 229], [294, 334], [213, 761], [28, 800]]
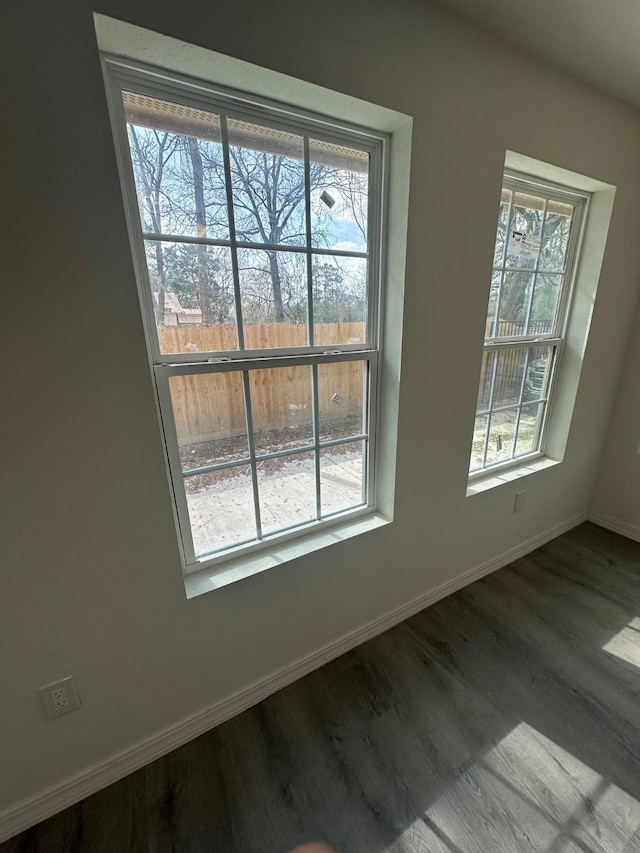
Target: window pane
[[525, 232], [281, 403], [176, 154], [342, 477], [208, 411], [509, 374], [501, 435], [477, 445], [514, 300], [486, 378], [287, 489], [267, 176], [339, 180], [538, 374], [273, 287], [339, 300], [221, 509], [341, 398], [496, 279], [527, 440], [544, 305], [503, 224], [193, 297], [555, 236]]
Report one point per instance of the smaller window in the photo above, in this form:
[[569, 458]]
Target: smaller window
[[535, 259]]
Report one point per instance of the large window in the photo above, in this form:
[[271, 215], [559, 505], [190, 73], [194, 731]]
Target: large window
[[536, 250], [256, 235]]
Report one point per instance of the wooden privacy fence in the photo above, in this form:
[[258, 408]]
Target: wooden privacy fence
[[510, 365], [208, 407], [211, 407], [257, 336]]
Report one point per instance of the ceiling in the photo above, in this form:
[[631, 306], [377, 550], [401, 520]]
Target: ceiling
[[595, 40]]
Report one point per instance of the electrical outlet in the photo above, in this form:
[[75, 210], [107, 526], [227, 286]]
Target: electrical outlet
[[60, 697], [518, 503]]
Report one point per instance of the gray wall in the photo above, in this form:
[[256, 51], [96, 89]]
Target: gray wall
[[616, 502], [91, 578]]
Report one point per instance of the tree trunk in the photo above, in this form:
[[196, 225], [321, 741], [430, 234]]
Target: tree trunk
[[152, 196], [277, 287], [204, 293], [512, 300], [160, 307]]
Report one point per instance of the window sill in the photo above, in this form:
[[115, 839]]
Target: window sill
[[239, 568], [499, 477]]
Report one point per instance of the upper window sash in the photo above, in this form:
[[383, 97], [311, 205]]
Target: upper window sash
[[232, 106], [555, 204]]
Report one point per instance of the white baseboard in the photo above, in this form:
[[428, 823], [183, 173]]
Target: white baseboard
[[631, 531], [59, 797]]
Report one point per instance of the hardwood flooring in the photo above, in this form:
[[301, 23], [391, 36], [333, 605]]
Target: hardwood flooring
[[504, 719]]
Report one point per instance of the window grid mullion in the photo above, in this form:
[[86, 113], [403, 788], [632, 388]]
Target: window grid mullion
[[191, 239], [224, 134], [276, 454], [499, 409], [368, 444], [252, 452], [508, 228], [316, 437], [525, 269], [520, 396], [504, 261], [551, 375], [310, 327], [527, 316], [374, 174], [490, 401], [307, 217]]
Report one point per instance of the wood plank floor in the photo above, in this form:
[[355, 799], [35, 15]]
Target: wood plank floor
[[505, 718]]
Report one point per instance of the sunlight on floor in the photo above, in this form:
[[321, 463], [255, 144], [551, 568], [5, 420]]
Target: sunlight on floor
[[626, 643], [526, 793]]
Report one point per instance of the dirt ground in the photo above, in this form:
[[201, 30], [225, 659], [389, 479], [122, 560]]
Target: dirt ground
[[267, 441], [220, 503], [501, 438]]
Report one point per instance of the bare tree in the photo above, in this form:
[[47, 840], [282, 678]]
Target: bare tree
[[552, 231], [269, 195], [181, 186], [151, 153], [201, 228]]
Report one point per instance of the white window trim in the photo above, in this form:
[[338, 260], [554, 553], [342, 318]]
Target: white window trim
[[581, 300], [132, 43]]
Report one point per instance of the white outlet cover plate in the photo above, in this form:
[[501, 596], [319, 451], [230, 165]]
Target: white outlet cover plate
[[73, 699], [519, 502]]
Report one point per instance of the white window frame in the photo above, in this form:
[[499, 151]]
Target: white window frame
[[133, 76], [580, 199]]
